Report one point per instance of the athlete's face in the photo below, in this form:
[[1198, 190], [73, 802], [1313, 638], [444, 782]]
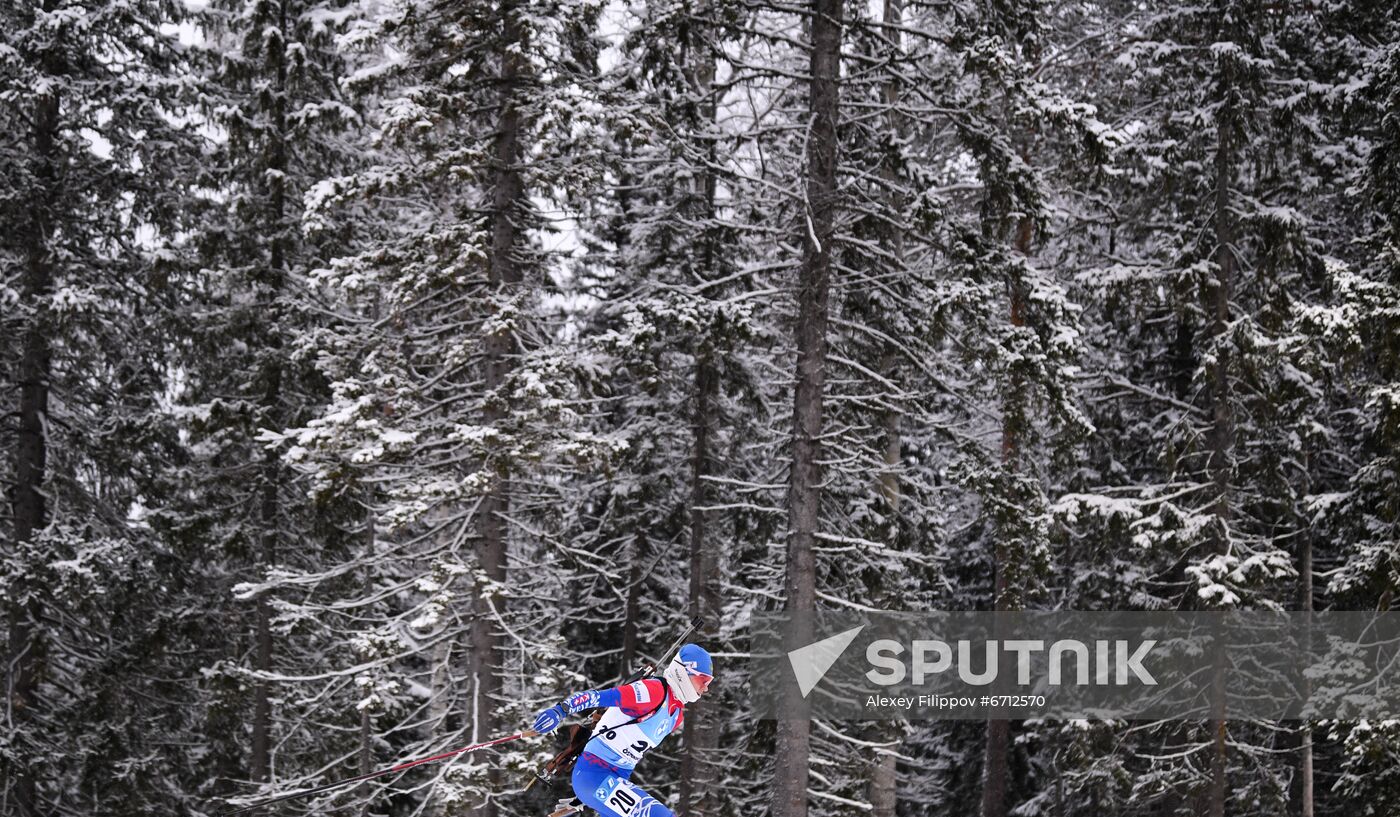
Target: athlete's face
[[701, 683]]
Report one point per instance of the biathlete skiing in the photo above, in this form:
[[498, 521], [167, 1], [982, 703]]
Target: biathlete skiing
[[638, 717]]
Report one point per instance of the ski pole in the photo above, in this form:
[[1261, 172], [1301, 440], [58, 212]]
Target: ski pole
[[402, 766]]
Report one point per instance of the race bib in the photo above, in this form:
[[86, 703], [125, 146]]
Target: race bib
[[628, 800], [629, 742]]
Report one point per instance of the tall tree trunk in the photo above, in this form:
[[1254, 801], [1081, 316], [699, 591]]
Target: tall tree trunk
[[883, 783], [793, 763], [440, 708], [366, 721], [701, 734], [702, 728], [884, 779], [504, 276], [1005, 596], [269, 511], [1222, 429], [1305, 598], [30, 511], [894, 197], [261, 750]]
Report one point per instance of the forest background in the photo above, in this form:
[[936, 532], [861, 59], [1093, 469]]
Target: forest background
[[374, 372]]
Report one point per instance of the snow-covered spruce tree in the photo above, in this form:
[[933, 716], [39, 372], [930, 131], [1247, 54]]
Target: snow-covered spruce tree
[[1054, 154], [1359, 327], [850, 550], [814, 233], [675, 295], [1359, 324], [894, 316], [92, 194], [713, 215], [665, 260], [877, 546], [926, 270], [460, 393], [1199, 234], [983, 334], [1216, 234], [278, 121]]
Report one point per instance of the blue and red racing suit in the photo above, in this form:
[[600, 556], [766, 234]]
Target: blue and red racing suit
[[639, 716]]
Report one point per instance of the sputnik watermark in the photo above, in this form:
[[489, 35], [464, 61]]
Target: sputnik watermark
[[1114, 662], [1125, 665], [810, 663]]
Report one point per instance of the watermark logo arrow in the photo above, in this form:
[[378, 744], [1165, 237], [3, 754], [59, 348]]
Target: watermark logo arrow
[[811, 662]]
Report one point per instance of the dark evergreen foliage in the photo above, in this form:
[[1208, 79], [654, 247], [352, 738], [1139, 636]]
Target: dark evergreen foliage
[[373, 372]]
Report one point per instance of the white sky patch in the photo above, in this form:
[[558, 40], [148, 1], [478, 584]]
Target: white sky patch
[[613, 24], [97, 143], [186, 32]]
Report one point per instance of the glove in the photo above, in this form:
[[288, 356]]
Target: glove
[[580, 701], [549, 720]]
